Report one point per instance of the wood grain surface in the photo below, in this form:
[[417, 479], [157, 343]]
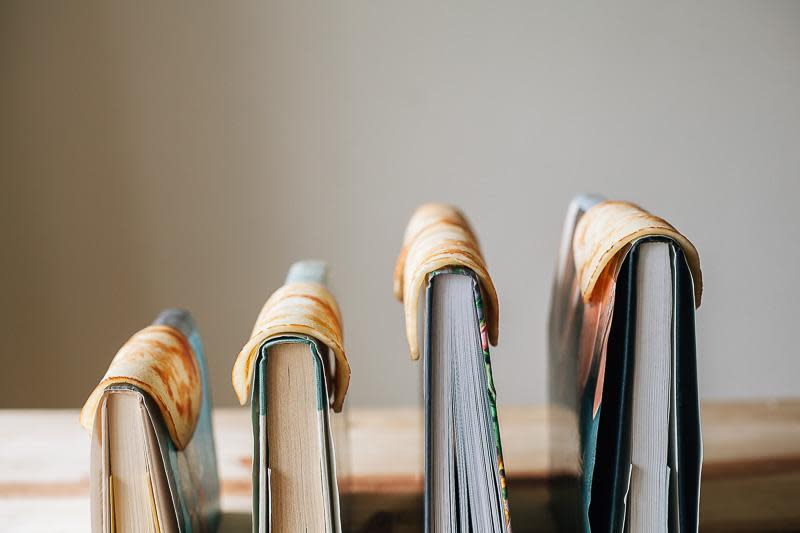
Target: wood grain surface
[[751, 472]]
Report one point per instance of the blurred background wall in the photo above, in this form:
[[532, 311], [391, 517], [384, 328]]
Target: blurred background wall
[[183, 154]]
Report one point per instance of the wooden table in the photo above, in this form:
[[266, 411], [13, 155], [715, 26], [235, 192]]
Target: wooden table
[[751, 473]]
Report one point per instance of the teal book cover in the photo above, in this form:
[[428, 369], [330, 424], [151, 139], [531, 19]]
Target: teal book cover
[[193, 469]]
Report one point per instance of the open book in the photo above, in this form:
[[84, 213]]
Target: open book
[[290, 370], [465, 486], [622, 349], [153, 463]]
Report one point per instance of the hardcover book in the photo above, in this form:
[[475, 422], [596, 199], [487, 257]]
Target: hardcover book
[[293, 371], [465, 484], [623, 361], [153, 461]]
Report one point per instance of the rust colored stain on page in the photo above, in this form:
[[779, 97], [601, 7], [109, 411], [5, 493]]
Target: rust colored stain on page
[[160, 361], [181, 382], [329, 312]]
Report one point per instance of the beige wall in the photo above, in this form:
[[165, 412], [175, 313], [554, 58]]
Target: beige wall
[[157, 154]]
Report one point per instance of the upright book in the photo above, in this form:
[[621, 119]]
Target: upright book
[[622, 359], [153, 463], [293, 370], [465, 486]]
